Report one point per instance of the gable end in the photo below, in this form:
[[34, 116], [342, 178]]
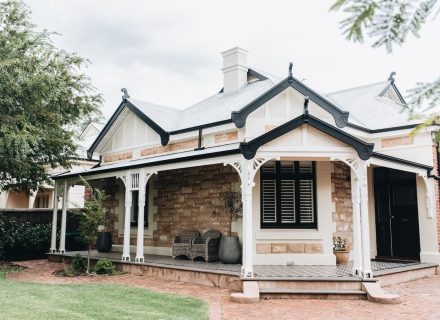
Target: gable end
[[364, 150], [164, 135], [341, 117]]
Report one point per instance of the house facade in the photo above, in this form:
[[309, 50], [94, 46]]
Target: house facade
[[309, 167]]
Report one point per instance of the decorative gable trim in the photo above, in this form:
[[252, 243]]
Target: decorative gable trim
[[364, 150], [341, 117], [164, 135], [399, 98]]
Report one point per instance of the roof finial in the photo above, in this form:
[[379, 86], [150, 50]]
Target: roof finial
[[391, 77], [290, 69], [126, 95], [306, 106]]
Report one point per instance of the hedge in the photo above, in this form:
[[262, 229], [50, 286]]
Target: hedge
[[23, 240]]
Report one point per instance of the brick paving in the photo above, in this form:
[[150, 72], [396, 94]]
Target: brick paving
[[421, 298]]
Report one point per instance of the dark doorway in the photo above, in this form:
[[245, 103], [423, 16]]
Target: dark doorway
[[397, 223]]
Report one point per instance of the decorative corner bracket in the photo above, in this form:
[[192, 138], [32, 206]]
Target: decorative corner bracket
[[429, 208]]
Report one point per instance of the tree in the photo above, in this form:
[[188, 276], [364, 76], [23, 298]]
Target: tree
[[91, 217], [229, 205], [44, 98], [389, 23]]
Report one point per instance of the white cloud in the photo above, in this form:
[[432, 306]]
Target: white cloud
[[168, 52]]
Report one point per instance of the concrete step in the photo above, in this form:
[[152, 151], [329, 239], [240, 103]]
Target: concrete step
[[376, 294], [250, 293], [311, 291], [311, 285], [409, 273], [286, 293]]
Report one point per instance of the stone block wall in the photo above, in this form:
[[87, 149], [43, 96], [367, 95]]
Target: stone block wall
[[111, 187], [183, 201], [341, 197], [296, 247]]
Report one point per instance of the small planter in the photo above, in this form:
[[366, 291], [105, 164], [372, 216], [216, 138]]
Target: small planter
[[229, 251], [341, 256], [104, 242]]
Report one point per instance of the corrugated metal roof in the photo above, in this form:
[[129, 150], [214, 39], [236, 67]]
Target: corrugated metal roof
[[370, 109], [215, 108]]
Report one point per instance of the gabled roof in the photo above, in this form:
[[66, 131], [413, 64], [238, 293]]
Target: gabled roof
[[164, 135], [340, 116], [374, 106], [364, 149]]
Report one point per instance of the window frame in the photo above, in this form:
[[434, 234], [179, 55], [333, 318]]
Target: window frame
[[296, 176]]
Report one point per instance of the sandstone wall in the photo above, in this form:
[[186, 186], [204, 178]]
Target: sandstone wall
[[341, 196]]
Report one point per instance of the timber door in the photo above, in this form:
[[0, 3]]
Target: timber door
[[397, 224]]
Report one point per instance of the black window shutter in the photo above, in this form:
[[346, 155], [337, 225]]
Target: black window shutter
[[288, 194], [134, 207]]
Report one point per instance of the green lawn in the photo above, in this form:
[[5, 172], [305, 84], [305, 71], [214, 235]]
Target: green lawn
[[93, 301]]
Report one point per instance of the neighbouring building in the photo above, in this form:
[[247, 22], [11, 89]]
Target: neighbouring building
[[309, 166], [43, 198]]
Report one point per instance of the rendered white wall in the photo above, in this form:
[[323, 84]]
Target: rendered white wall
[[429, 250], [323, 234]]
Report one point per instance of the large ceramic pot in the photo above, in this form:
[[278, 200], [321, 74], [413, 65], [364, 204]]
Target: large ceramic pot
[[104, 241], [341, 256], [229, 250]]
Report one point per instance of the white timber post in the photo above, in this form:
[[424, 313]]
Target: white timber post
[[247, 170], [53, 239], [357, 246], [246, 193], [126, 245], [62, 247], [144, 177], [366, 258], [140, 228]]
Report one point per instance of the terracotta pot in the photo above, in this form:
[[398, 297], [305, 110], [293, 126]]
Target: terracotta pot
[[341, 256]]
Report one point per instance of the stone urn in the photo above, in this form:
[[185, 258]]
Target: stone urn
[[230, 250], [341, 256], [104, 241]]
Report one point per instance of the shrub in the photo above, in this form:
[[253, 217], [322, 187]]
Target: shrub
[[23, 240], [104, 266], [78, 265]]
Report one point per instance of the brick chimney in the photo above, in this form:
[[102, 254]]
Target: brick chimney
[[234, 69]]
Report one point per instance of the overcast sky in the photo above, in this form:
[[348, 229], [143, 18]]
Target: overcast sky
[[168, 52]]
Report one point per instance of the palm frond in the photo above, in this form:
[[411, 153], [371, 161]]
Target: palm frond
[[425, 96], [387, 22]]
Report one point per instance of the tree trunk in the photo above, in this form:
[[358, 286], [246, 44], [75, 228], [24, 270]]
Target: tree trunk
[[230, 224], [88, 259]]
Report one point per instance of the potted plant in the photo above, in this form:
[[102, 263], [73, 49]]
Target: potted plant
[[229, 204], [340, 250], [103, 240]]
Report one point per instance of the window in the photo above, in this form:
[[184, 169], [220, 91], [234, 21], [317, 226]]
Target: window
[[135, 207], [288, 194], [41, 201]]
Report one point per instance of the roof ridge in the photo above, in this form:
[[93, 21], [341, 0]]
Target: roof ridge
[[357, 87], [156, 104]]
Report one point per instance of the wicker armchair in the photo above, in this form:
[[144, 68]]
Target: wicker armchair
[[206, 246], [182, 243]]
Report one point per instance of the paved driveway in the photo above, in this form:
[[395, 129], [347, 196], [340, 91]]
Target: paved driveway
[[421, 298]]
